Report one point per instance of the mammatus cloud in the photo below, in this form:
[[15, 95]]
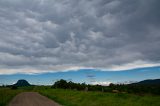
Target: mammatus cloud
[[56, 35]]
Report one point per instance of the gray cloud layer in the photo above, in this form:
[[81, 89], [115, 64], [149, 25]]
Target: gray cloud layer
[[61, 34]]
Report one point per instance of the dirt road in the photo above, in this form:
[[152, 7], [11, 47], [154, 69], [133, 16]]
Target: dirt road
[[32, 99]]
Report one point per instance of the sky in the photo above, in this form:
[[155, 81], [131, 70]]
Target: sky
[[89, 76], [46, 36]]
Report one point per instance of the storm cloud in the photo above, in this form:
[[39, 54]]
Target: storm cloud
[[56, 35]]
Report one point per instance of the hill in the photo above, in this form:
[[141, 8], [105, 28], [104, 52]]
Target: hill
[[22, 82], [149, 82]]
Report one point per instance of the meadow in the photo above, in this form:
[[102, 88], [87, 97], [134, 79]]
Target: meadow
[[92, 98], [6, 94], [82, 98]]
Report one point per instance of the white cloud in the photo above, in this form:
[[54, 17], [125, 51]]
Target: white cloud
[[136, 64], [104, 83]]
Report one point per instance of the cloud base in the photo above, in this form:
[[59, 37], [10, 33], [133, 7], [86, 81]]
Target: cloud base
[[56, 35]]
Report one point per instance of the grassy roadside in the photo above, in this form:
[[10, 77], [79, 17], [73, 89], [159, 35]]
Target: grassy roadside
[[80, 98], [6, 94]]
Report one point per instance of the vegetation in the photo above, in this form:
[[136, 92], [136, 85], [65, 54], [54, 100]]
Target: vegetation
[[135, 88], [69, 93], [6, 94], [68, 97]]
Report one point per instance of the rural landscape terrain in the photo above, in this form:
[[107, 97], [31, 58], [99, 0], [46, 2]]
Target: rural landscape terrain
[[79, 52], [144, 93]]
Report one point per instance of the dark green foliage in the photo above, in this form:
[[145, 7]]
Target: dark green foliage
[[116, 88], [69, 85], [14, 87]]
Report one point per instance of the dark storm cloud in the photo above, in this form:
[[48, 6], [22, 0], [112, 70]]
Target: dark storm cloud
[[63, 34]]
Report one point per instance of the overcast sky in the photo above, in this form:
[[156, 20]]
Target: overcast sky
[[59, 35]]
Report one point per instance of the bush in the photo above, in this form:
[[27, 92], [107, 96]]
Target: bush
[[14, 87], [128, 88]]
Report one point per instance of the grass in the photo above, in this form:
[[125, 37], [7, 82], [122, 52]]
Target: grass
[[6, 94], [81, 98]]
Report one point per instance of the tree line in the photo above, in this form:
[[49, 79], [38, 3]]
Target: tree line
[[115, 88]]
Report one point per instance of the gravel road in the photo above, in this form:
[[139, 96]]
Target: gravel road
[[32, 99]]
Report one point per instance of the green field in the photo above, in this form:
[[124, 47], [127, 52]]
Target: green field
[[81, 98], [6, 94]]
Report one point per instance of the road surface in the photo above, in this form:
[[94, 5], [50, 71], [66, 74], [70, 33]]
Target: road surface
[[32, 99]]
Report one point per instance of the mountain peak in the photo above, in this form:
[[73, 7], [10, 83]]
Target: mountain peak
[[22, 82]]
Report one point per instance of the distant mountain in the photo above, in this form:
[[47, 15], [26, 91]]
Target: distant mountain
[[149, 82], [22, 82]]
